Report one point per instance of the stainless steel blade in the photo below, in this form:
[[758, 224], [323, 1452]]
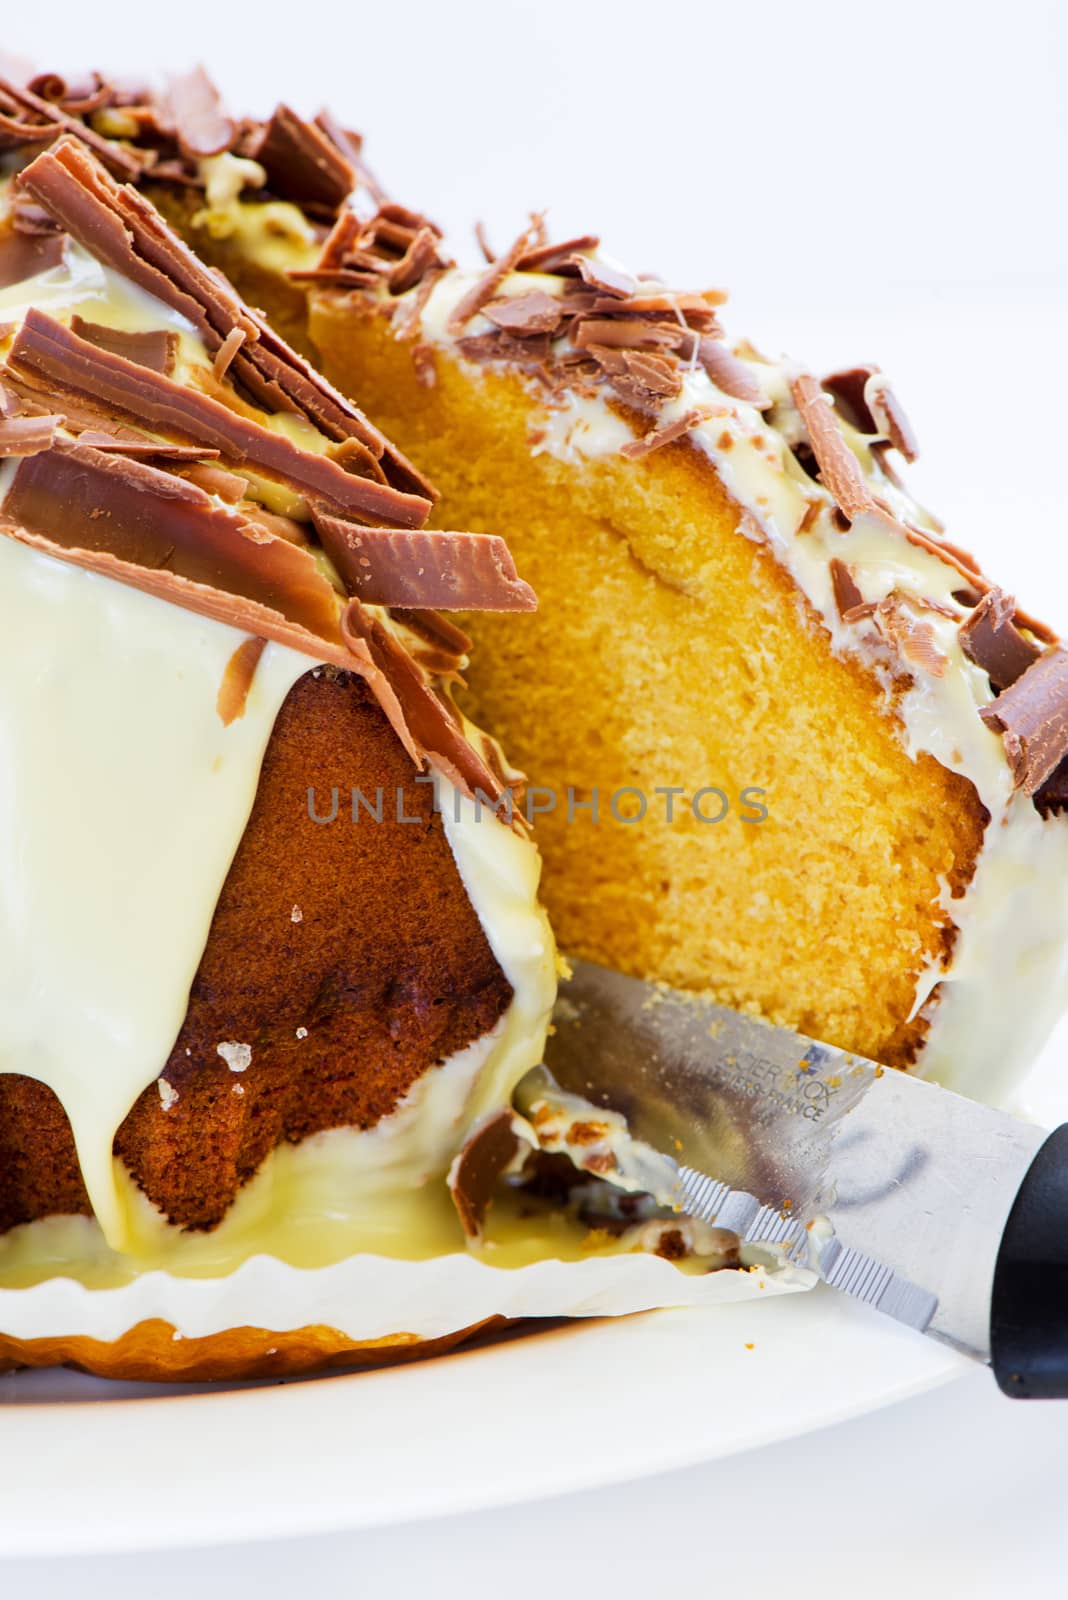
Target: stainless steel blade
[[897, 1190]]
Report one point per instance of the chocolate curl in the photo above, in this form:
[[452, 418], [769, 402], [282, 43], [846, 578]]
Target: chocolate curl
[[635, 449], [847, 595], [486, 1155], [25, 118], [28, 435], [866, 400], [839, 468], [425, 724], [1032, 718], [989, 637], [729, 374], [124, 231], [303, 162], [157, 349], [81, 497], [24, 255], [486, 287], [52, 360], [521, 314], [444, 571], [201, 124]]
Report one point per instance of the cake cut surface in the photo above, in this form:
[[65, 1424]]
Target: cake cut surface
[[741, 605]]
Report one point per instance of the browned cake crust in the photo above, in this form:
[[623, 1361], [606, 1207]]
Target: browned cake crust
[[387, 968]]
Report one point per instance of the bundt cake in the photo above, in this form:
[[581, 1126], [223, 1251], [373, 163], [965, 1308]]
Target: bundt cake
[[274, 961], [786, 743], [273, 958]]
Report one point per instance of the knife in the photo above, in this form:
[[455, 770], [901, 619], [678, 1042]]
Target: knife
[[941, 1212]]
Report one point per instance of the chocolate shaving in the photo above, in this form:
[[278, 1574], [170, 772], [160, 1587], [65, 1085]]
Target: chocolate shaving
[[26, 118], [635, 449], [448, 571], [626, 334], [201, 124], [867, 401], [531, 351], [156, 349], [423, 722], [522, 314], [28, 435], [23, 255], [53, 360], [599, 275], [913, 639], [1032, 718], [847, 595], [87, 499], [989, 637], [227, 351], [302, 162], [237, 680], [487, 1153], [236, 611], [420, 256], [642, 377], [486, 287], [559, 258], [729, 374], [124, 231], [839, 468]]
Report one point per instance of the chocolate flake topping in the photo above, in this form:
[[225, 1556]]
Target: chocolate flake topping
[[847, 595], [201, 125], [28, 435], [535, 312], [1032, 718], [124, 231], [989, 637], [636, 448], [87, 499], [839, 468], [23, 255], [866, 400], [156, 349], [49, 359], [486, 287], [485, 1157], [447, 571], [28, 119], [302, 162]]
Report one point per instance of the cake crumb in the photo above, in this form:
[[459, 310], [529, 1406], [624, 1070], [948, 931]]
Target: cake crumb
[[237, 1056], [302, 1033], [296, 915], [168, 1094], [750, 1347], [239, 1088]]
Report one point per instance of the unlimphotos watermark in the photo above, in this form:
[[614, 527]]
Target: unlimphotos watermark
[[628, 805]]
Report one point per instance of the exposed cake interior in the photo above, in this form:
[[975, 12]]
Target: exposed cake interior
[[749, 632]]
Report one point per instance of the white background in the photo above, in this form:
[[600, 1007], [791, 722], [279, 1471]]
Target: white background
[[880, 183]]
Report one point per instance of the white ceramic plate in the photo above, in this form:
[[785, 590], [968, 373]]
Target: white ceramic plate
[[90, 1465]]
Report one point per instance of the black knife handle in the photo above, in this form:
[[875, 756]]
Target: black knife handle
[[1029, 1308]]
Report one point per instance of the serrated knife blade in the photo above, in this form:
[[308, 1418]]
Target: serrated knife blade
[[896, 1190]]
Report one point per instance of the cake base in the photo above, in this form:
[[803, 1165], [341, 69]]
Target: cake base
[[153, 1352]]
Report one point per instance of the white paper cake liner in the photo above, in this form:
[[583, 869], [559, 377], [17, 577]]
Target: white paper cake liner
[[370, 1297]]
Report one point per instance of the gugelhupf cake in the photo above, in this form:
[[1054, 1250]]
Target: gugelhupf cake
[[787, 744]]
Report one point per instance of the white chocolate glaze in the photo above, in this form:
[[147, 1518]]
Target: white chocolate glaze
[[1006, 982], [123, 797]]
